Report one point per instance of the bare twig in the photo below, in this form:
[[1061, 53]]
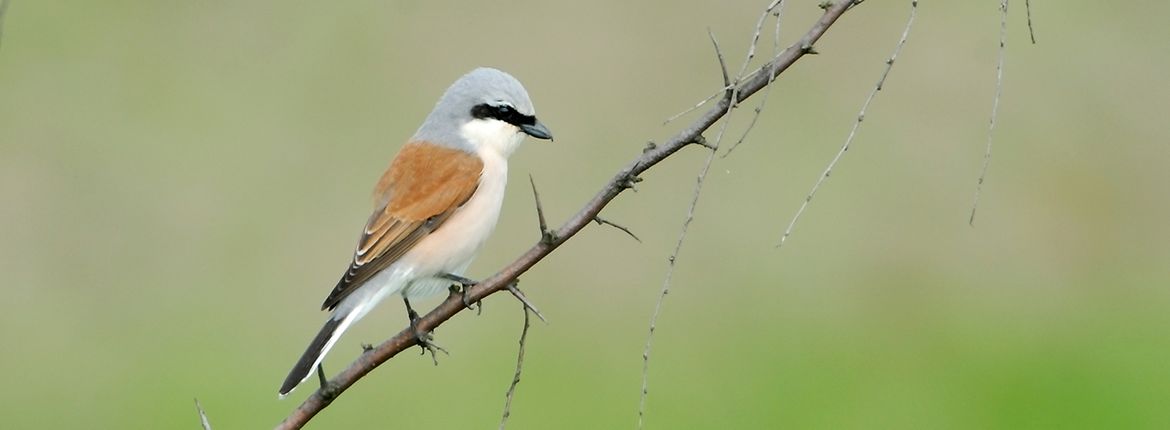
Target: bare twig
[[722, 64], [673, 259], [516, 376], [733, 101], [775, 9], [751, 54], [697, 105], [666, 287], [856, 124], [1028, 11], [727, 85], [202, 416], [367, 362], [1003, 8], [601, 220]]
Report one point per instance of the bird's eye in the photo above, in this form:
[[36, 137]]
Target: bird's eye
[[502, 112]]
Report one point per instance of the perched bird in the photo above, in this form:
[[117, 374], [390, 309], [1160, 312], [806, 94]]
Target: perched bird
[[435, 205]]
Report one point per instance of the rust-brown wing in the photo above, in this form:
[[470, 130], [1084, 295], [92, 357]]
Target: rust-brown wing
[[424, 185]]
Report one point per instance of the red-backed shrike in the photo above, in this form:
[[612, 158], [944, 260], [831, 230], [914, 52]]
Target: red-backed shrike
[[435, 205]]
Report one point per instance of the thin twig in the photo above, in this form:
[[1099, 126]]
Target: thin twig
[[453, 305], [779, 7], [778, 14], [202, 416], [722, 64], [516, 376], [697, 105], [1003, 7], [751, 54], [1028, 11], [666, 288], [732, 102], [856, 124], [726, 86], [601, 220]]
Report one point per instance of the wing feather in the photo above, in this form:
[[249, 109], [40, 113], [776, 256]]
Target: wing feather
[[423, 187]]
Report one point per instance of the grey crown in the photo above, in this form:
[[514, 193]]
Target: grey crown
[[480, 86]]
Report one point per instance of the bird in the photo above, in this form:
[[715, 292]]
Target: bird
[[434, 207]]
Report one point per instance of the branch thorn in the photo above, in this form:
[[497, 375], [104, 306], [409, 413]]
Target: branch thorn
[[599, 220], [630, 180], [515, 290], [722, 65], [702, 141], [546, 236]]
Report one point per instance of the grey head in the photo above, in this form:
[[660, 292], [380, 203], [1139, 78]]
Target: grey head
[[485, 107]]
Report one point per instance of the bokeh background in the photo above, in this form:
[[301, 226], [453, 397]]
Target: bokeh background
[[181, 184]]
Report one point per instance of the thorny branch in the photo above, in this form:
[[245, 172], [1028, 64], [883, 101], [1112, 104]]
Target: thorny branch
[[371, 359]]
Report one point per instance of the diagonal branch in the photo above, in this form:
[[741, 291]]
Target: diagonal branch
[[373, 358]]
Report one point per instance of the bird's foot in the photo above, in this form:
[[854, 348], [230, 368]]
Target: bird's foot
[[460, 286], [425, 340]]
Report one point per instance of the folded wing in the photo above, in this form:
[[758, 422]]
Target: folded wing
[[423, 187]]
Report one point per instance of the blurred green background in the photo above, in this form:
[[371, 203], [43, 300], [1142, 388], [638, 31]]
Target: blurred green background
[[181, 184]]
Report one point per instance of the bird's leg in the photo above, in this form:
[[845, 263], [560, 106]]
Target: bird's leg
[[425, 340], [461, 285]]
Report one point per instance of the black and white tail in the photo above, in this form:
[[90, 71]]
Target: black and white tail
[[316, 351]]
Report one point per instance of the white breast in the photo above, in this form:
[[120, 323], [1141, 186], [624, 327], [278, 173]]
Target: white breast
[[452, 247]]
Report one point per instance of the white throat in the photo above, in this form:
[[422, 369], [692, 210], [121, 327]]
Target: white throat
[[492, 135]]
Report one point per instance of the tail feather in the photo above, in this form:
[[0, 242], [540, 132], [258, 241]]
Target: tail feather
[[353, 308], [315, 352]]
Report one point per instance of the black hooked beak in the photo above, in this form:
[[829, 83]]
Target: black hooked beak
[[537, 130]]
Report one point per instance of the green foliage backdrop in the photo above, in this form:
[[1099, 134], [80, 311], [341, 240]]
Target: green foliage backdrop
[[182, 182]]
